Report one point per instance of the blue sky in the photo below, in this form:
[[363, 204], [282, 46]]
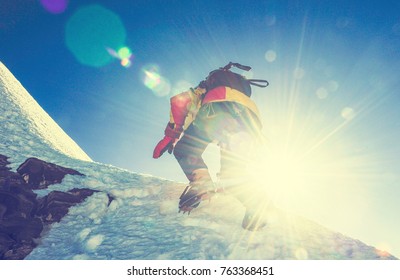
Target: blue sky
[[331, 109]]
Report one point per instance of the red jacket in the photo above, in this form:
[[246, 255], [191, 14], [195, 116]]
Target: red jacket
[[185, 105]]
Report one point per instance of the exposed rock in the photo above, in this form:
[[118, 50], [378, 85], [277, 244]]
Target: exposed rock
[[6, 241], [19, 252], [4, 162], [40, 174], [22, 229], [22, 214], [56, 204]]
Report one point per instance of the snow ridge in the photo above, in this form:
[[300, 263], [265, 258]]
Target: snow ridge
[[15, 100]]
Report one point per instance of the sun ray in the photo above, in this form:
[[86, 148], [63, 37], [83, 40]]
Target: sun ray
[[324, 139], [294, 91]]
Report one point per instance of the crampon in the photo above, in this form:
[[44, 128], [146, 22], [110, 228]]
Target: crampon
[[191, 198]]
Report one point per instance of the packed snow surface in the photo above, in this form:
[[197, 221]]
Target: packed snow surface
[[21, 116], [142, 222]]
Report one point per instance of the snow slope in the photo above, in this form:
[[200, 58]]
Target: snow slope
[[18, 105], [142, 222]]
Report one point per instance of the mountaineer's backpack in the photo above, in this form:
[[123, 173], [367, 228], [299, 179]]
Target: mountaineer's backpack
[[224, 77]]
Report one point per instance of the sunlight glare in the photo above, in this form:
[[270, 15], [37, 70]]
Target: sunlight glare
[[126, 62], [124, 54], [90, 31], [279, 173], [291, 167], [383, 249], [301, 254], [153, 80], [270, 56], [348, 113]]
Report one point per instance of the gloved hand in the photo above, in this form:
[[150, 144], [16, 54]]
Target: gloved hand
[[172, 133]]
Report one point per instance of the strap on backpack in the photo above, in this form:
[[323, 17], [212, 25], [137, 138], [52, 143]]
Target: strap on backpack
[[258, 82], [254, 82], [237, 65]]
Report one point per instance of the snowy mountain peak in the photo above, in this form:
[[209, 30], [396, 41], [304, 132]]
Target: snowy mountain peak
[[21, 115]]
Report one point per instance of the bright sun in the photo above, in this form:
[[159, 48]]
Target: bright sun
[[294, 170]]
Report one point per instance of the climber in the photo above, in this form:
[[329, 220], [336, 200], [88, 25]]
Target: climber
[[219, 110]]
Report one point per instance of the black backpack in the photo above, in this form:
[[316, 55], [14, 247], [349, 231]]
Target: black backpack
[[224, 77]]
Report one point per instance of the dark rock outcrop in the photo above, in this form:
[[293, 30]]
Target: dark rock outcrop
[[55, 205], [40, 174], [23, 215]]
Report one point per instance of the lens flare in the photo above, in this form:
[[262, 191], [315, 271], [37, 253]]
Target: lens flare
[[322, 93], [91, 32], [153, 80], [348, 113], [126, 62], [270, 56], [124, 53], [54, 6]]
